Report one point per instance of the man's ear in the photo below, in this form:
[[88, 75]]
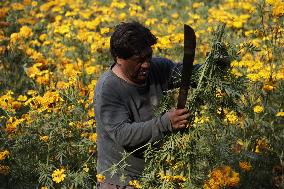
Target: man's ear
[[119, 61]]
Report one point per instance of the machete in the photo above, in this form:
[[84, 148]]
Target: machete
[[188, 58]]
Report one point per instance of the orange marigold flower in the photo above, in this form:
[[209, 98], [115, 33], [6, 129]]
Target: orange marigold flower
[[244, 165], [100, 178]]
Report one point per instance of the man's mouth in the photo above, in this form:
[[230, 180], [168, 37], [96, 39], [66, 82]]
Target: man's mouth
[[143, 73]]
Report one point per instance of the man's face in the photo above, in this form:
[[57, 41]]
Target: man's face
[[136, 68]]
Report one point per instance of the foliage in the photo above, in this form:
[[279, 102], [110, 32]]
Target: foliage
[[52, 52]]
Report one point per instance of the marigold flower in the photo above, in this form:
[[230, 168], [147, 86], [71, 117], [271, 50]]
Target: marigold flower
[[4, 154], [135, 184], [86, 168], [267, 88], [261, 144], [258, 109], [244, 165], [3, 12], [104, 30], [222, 177], [280, 114], [26, 32], [16, 105], [44, 138], [219, 93], [58, 175], [278, 9], [234, 179], [22, 98], [93, 137], [100, 177], [43, 37], [14, 38], [231, 117], [18, 6], [12, 124], [34, 3]]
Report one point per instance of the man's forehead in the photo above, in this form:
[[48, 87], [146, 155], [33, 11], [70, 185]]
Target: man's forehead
[[145, 53]]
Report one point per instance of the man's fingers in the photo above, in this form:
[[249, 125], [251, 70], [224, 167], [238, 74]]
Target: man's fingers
[[182, 126], [181, 111], [183, 122], [182, 117]]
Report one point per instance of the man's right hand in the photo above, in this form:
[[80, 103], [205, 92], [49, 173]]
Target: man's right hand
[[178, 118]]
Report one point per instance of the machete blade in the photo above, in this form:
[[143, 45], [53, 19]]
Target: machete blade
[[188, 58]]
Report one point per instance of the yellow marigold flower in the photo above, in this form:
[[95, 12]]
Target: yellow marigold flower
[[219, 93], [258, 109], [234, 179], [278, 9], [16, 105], [100, 177], [2, 49], [93, 137], [231, 117], [32, 92], [34, 3], [244, 165], [44, 187], [174, 15], [26, 32], [91, 113], [26, 2], [4, 154], [122, 16], [280, 114], [12, 124], [237, 24], [44, 138], [92, 69], [179, 178], [272, 2], [267, 88], [4, 170], [217, 175], [14, 38], [104, 30], [18, 6], [62, 85], [86, 168], [222, 177], [261, 144], [22, 98], [135, 184], [119, 5], [3, 12], [197, 5], [43, 37], [58, 175], [219, 110]]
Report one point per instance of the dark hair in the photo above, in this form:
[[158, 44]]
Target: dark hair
[[130, 39]]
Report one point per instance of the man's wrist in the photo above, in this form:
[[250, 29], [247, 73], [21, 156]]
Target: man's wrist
[[166, 123]]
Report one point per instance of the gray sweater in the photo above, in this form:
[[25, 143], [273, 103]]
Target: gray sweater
[[125, 118]]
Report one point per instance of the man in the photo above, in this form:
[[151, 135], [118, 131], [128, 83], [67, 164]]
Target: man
[[125, 98]]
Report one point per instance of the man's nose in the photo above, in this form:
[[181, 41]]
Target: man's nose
[[146, 64]]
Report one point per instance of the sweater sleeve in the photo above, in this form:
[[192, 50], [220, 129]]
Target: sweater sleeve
[[115, 120]]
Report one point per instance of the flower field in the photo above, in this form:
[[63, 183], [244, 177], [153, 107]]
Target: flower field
[[52, 53]]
